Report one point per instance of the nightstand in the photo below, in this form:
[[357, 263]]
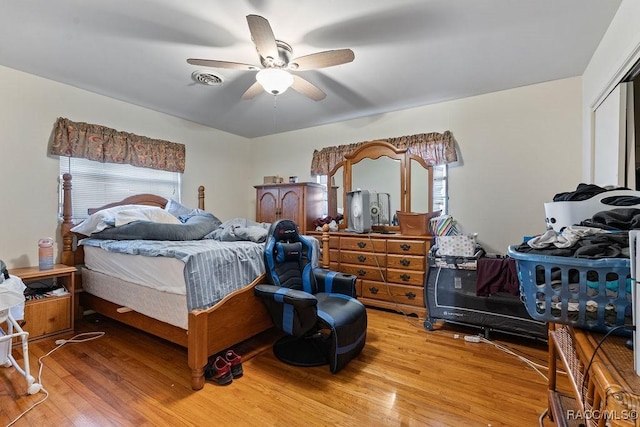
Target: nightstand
[[50, 315]]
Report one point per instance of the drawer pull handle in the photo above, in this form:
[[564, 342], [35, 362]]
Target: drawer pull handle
[[405, 277], [373, 290], [361, 272], [362, 258], [410, 295], [405, 247], [362, 245], [405, 262]]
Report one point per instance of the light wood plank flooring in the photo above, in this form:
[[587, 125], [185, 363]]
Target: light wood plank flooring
[[405, 376]]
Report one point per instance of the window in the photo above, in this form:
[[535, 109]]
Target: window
[[441, 189], [322, 179], [95, 184]]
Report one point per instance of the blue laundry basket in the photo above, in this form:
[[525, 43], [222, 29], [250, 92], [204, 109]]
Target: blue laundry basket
[[592, 294]]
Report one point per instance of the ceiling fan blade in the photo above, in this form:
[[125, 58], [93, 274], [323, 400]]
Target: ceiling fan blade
[[307, 89], [262, 36], [254, 89], [222, 64], [328, 58]]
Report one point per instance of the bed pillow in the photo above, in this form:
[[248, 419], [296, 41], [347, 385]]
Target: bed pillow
[[101, 220], [195, 228], [176, 208], [144, 213]]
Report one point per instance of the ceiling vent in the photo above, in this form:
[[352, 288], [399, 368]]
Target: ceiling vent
[[206, 78]]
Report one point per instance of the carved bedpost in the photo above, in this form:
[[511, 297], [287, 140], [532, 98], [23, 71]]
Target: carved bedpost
[[325, 246], [201, 197], [68, 257]]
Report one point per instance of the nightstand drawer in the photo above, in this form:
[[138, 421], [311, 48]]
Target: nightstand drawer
[[47, 316]]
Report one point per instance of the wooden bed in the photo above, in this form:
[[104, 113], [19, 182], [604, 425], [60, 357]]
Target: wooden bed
[[237, 317]]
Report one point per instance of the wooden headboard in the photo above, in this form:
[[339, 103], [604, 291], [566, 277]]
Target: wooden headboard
[[75, 256]]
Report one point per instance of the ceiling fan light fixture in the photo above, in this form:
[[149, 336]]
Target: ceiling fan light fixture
[[274, 80]]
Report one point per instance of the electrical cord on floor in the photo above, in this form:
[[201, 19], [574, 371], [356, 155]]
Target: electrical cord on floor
[[535, 366], [59, 343], [388, 289]]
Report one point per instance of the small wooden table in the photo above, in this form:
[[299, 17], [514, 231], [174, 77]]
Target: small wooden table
[[607, 394], [50, 315]]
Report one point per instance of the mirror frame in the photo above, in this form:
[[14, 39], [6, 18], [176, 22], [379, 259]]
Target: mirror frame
[[374, 150]]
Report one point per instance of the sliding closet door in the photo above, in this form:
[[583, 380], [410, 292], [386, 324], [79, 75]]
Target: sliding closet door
[[614, 159]]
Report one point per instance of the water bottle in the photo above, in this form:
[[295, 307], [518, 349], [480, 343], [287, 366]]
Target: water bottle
[[45, 253]]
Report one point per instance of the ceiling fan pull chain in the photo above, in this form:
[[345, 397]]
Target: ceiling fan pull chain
[[275, 105]]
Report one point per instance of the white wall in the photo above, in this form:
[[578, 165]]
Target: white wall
[[519, 148], [618, 51], [29, 107]]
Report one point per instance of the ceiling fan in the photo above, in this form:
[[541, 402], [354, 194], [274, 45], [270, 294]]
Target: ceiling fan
[[276, 58]]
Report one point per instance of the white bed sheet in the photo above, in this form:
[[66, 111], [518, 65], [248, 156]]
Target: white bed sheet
[[160, 273], [164, 306]]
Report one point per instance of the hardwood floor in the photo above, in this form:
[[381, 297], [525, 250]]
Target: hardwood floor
[[404, 377]]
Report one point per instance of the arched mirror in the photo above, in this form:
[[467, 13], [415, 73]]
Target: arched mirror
[[379, 168], [382, 169], [381, 176]]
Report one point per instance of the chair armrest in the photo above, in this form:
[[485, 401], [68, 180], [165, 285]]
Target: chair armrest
[[294, 312], [334, 282], [299, 299]]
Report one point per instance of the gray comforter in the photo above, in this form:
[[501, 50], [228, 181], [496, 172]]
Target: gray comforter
[[238, 229]]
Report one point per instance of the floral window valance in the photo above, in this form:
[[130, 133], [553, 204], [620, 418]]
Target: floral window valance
[[106, 145], [435, 148]]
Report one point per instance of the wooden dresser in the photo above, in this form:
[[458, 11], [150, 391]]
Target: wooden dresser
[[391, 268], [605, 390], [299, 202]]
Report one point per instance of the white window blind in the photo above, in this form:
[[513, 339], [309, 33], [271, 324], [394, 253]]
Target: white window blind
[[322, 179], [95, 184], [440, 189]]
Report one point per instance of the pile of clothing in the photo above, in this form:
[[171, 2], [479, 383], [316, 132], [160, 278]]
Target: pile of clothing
[[605, 235]]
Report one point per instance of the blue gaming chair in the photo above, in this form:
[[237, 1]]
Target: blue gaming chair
[[316, 308]]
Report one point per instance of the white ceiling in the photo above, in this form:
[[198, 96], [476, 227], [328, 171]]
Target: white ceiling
[[407, 52]]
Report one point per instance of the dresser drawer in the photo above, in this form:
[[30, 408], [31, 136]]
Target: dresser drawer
[[362, 271], [406, 262], [363, 258], [334, 255], [409, 247], [334, 242], [406, 277], [399, 294], [362, 244]]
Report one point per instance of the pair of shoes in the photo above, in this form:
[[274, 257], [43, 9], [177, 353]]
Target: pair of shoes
[[224, 369], [236, 363], [219, 371]]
